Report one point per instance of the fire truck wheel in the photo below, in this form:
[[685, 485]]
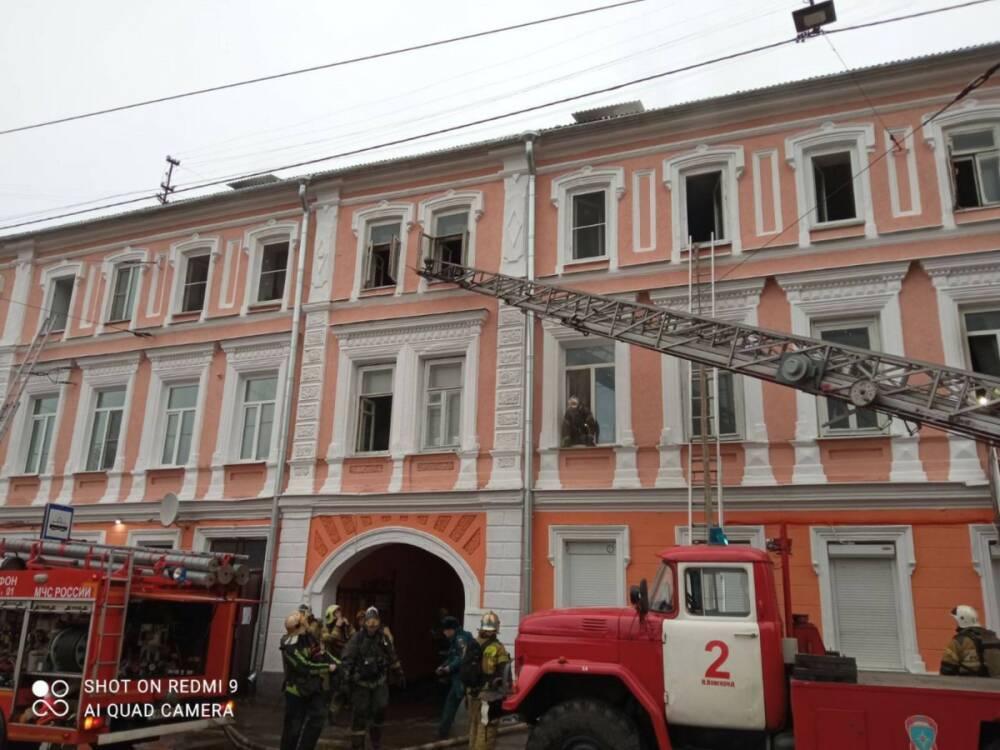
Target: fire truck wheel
[[584, 725]]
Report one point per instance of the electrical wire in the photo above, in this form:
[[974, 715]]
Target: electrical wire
[[503, 116], [77, 318], [969, 88], [314, 68]]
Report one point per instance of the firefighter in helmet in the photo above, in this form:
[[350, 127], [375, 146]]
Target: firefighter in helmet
[[974, 651], [486, 699], [305, 701], [369, 660], [337, 630]]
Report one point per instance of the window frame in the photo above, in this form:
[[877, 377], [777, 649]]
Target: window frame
[[92, 424], [435, 238], [244, 405], [427, 364], [254, 242], [563, 389], [395, 247], [135, 279], [723, 201], [560, 534], [50, 300], [813, 196], [587, 180], [743, 568], [165, 421], [574, 228], [285, 273], [359, 373], [951, 158], [186, 284], [383, 212], [451, 202], [738, 407], [874, 343], [32, 419], [984, 542], [974, 308]]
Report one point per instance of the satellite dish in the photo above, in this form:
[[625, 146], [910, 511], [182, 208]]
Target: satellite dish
[[169, 507]]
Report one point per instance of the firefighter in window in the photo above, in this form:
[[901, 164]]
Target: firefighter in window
[[369, 660], [974, 651], [305, 680], [579, 426], [487, 686]]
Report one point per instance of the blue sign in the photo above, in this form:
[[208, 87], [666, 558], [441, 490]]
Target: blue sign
[[57, 523]]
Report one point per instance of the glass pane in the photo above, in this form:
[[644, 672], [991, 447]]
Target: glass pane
[[197, 269], [96, 441], [249, 430], [836, 413], [727, 404], [989, 176], [170, 438], [588, 242], [184, 443], [987, 320], [111, 399], [856, 336], [445, 375], [183, 397], [590, 355], [578, 386], [452, 224], [272, 285], [605, 396], [111, 441], [454, 417], [264, 437], [976, 140], [383, 234], [966, 183], [62, 295], [376, 381], [274, 258], [261, 389], [194, 297], [434, 425], [32, 465], [43, 458], [46, 405], [588, 209], [985, 354]]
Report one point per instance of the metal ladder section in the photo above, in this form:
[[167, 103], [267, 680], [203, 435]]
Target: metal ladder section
[[107, 588], [15, 388], [704, 460], [960, 402]]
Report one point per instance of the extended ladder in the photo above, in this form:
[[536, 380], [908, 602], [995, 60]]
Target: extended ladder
[[108, 636], [15, 388]]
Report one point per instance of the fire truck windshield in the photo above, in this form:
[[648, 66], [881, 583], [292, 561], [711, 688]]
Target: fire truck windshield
[[662, 599]]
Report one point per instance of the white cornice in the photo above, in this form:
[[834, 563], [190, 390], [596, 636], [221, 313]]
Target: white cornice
[[806, 283], [407, 326]]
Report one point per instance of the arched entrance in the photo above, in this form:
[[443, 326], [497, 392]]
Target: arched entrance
[[407, 574]]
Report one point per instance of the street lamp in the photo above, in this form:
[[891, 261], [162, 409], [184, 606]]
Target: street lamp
[[809, 20]]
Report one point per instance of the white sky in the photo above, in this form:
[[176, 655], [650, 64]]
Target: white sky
[[63, 57]]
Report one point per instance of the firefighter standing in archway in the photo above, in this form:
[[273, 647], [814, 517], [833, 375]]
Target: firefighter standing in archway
[[369, 660], [486, 699]]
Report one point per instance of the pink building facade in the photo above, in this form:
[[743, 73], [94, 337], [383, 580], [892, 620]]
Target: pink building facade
[[404, 483]]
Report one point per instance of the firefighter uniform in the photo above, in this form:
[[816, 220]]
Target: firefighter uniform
[[337, 631], [457, 644], [305, 704], [485, 702], [974, 651], [369, 658]]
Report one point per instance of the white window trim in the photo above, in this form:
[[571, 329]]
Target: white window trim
[[246, 358], [980, 536], [961, 282], [361, 220], [859, 141], [405, 342], [142, 537], [875, 344], [109, 274], [735, 302], [100, 373], [555, 338], [560, 534], [585, 180], [47, 281], [20, 433], [728, 160], [254, 241], [905, 560], [839, 293], [971, 112], [753, 535], [180, 253], [203, 535], [451, 202], [425, 366], [168, 368]]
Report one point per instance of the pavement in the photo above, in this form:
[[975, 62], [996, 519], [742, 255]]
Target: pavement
[[411, 723]]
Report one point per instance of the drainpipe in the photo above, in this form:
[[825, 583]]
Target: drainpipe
[[264, 613], [528, 462]]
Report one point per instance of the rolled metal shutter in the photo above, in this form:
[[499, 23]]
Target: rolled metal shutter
[[866, 617], [591, 574]]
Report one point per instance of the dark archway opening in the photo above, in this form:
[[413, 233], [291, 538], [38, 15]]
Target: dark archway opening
[[409, 586]]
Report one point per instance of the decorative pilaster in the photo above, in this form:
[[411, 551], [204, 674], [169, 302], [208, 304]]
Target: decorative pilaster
[[302, 468], [509, 409]]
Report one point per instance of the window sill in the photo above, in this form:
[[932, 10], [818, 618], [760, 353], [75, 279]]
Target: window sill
[[269, 306], [977, 209], [244, 462], [584, 261], [725, 439], [855, 434], [84, 474], [373, 454], [379, 291], [450, 450], [187, 316], [839, 224]]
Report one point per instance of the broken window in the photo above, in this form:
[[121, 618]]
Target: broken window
[[703, 194], [975, 166], [589, 225], [196, 283], [451, 237], [725, 414], [983, 335], [62, 297], [841, 416], [834, 181], [374, 409], [382, 258], [589, 418], [273, 266]]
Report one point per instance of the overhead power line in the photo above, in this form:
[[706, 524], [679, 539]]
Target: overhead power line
[[314, 68], [494, 118]]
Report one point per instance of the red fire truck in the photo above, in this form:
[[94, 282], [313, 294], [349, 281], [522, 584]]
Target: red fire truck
[[104, 645], [702, 661]]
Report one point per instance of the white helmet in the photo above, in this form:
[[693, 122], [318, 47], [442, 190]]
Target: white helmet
[[965, 616]]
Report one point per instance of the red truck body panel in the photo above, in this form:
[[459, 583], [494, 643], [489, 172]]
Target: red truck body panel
[[882, 710]]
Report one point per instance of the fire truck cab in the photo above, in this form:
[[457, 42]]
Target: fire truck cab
[[703, 661]]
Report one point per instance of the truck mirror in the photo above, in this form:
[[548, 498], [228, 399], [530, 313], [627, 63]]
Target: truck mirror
[[633, 595], [639, 597]]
